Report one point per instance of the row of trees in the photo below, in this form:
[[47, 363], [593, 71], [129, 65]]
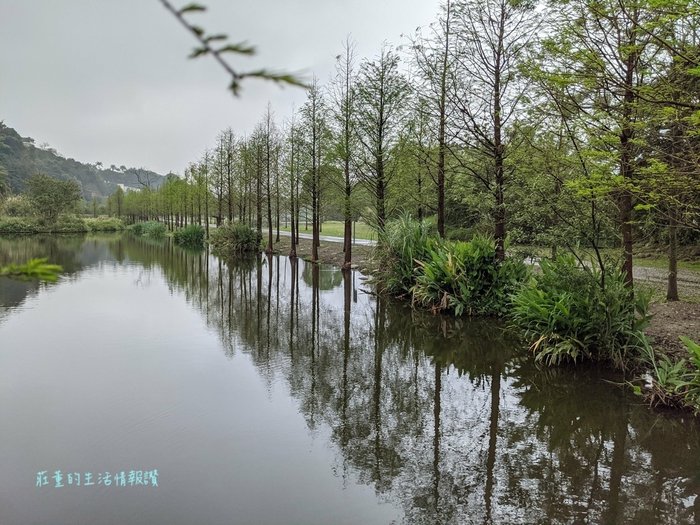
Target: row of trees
[[560, 123]]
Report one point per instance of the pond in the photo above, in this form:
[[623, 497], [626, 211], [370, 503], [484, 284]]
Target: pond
[[267, 391]]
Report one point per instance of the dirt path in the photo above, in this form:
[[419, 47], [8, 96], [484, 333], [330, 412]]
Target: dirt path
[[669, 322], [329, 252], [688, 281]]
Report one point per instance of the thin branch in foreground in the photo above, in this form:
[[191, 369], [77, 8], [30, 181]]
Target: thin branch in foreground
[[207, 47]]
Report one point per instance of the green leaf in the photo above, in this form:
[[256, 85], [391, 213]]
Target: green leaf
[[198, 51], [284, 78], [192, 8], [241, 48], [215, 38], [235, 87]]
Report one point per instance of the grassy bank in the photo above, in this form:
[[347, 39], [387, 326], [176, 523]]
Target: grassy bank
[[64, 224], [566, 312]]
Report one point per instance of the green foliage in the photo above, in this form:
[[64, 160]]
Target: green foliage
[[34, 269], [459, 234], [17, 225], [22, 158], [676, 383], [64, 224], [466, 278], [136, 229], [152, 229], [17, 206], [218, 46], [104, 224], [4, 184], [235, 238], [51, 197], [458, 277], [401, 244], [571, 313], [191, 236]]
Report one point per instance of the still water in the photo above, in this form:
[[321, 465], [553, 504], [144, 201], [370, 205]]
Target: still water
[[270, 392]]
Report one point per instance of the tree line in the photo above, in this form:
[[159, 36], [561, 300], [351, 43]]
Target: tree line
[[564, 124]]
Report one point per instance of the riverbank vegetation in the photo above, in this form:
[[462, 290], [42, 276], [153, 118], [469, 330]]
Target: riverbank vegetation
[[501, 124], [191, 236], [235, 239], [151, 229], [63, 224], [35, 269]]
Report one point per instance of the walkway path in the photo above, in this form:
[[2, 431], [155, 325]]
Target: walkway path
[[327, 238]]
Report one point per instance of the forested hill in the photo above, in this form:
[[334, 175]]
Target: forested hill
[[21, 158]]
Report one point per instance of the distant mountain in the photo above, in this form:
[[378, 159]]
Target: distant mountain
[[22, 158]]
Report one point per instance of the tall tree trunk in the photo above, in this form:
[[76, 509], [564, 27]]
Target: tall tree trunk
[[381, 193], [258, 189], [441, 131], [500, 210], [626, 168], [419, 183], [292, 181], [268, 186], [347, 232], [672, 289]]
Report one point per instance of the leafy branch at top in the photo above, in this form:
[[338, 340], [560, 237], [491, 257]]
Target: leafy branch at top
[[217, 45]]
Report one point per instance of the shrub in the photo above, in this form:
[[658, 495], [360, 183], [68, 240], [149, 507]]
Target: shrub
[[105, 224], [17, 206], [402, 242], [466, 278], [191, 236], [52, 197], [16, 225], [676, 383], [459, 234], [235, 238], [571, 313], [136, 229], [459, 277], [39, 269], [63, 224], [152, 229]]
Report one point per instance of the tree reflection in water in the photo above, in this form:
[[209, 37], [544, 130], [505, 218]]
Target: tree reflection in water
[[448, 418]]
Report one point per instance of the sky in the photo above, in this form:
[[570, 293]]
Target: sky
[[109, 80]]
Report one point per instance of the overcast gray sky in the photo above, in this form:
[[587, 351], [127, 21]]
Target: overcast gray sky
[[109, 81]]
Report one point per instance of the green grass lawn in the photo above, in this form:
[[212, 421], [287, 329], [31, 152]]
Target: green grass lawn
[[337, 228], [643, 261]]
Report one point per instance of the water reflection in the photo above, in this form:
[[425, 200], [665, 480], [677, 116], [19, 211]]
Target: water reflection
[[446, 419]]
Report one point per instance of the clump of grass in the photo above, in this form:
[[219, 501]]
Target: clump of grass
[[403, 242], [104, 224], [64, 224], [17, 225], [235, 238], [674, 383], [191, 236], [151, 229], [466, 278], [570, 312], [34, 269], [445, 276]]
